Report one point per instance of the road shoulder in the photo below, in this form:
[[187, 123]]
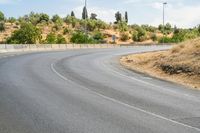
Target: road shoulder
[[147, 63]]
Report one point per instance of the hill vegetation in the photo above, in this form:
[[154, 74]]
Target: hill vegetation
[[40, 28]]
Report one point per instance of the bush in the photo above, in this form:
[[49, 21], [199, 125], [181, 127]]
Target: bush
[[154, 37], [2, 26], [81, 38], [122, 26], [60, 39], [149, 28], [91, 25], [71, 20], [66, 31], [124, 37], [166, 40], [98, 36], [57, 19], [51, 38], [139, 35], [27, 34], [56, 27]]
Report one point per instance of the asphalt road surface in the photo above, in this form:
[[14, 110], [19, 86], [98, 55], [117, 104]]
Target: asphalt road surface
[[87, 91]]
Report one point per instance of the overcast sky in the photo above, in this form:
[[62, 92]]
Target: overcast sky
[[183, 13]]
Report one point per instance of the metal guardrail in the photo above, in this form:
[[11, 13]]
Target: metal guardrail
[[44, 47]]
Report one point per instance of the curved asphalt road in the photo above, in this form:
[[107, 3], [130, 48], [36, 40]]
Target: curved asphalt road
[[87, 91]]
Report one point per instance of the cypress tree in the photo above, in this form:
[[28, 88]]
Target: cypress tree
[[85, 13], [126, 17]]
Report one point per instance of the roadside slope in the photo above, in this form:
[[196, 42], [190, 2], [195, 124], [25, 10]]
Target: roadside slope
[[181, 64]]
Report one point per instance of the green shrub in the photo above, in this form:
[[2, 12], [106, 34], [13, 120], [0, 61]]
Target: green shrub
[[124, 37], [139, 35], [27, 34], [81, 38], [166, 40], [51, 38], [154, 37], [122, 26], [60, 39], [66, 31], [71, 20], [98, 36]]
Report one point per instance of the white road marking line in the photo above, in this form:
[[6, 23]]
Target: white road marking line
[[147, 83], [124, 104]]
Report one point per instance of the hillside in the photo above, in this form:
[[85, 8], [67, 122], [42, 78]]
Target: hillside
[[180, 64], [40, 28], [107, 33]]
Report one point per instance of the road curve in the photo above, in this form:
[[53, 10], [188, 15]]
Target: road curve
[[87, 91]]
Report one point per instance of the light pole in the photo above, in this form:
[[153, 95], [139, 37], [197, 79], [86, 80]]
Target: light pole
[[85, 21], [165, 3]]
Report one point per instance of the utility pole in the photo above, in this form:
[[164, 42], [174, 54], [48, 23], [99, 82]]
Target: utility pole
[[165, 3]]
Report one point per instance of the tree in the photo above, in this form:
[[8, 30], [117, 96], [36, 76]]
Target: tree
[[160, 27], [93, 16], [44, 17], [72, 14], [56, 18], [27, 34], [168, 27], [198, 29], [2, 17], [85, 13], [34, 18], [176, 30], [2, 26], [118, 17], [126, 17]]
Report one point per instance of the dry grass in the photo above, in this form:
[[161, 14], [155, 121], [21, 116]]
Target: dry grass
[[180, 64]]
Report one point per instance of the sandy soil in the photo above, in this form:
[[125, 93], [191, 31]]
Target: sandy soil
[[181, 64]]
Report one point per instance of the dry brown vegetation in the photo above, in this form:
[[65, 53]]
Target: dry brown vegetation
[[180, 64]]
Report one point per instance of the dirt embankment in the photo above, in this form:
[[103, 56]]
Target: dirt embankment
[[181, 64]]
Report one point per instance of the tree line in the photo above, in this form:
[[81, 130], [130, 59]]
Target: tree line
[[30, 29]]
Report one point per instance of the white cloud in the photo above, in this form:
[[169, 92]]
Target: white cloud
[[182, 16]]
